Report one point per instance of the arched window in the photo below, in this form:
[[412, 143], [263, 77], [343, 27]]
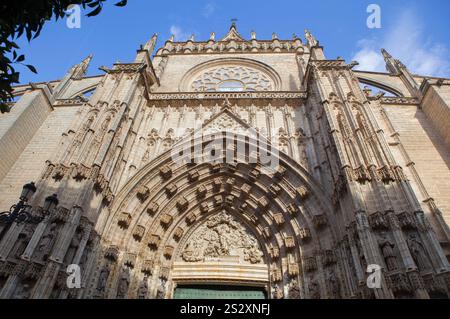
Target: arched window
[[231, 86]]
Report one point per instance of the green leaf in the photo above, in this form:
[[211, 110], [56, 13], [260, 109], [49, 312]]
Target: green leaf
[[31, 68]]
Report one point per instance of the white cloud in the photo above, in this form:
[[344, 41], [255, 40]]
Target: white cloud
[[208, 9], [407, 42], [179, 33]]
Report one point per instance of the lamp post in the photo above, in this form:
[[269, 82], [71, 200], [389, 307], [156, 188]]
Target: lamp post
[[21, 212]]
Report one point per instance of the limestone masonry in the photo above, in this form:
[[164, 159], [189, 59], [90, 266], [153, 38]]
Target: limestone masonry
[[362, 176]]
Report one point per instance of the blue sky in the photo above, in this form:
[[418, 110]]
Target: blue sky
[[415, 31]]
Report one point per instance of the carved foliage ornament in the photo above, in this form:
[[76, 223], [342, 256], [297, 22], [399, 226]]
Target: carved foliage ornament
[[221, 236]]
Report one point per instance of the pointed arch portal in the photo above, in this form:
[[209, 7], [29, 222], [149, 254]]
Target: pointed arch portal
[[219, 223]]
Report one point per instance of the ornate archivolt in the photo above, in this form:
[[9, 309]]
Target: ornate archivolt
[[179, 211], [231, 75]]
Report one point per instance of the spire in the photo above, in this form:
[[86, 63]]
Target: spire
[[213, 36], [172, 38], [150, 45], [312, 42], [392, 65], [233, 34], [79, 70]]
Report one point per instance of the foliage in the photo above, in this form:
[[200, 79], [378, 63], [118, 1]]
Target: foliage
[[27, 17]]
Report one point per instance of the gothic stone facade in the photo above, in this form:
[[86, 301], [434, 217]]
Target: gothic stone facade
[[362, 178]]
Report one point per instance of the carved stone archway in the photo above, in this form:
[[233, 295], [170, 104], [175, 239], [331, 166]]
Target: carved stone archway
[[284, 211]]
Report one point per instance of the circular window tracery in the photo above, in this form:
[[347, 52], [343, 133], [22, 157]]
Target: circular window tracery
[[232, 79]]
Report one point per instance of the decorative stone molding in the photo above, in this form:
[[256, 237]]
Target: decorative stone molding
[[263, 203], [292, 209], [310, 264], [171, 189], [182, 204], [293, 269], [204, 207], [279, 219], [166, 172], [275, 274], [147, 267], [191, 218], [193, 176], [289, 242], [305, 234], [201, 191], [112, 253], [154, 241], [274, 190], [124, 220], [274, 251], [407, 220], [320, 221], [378, 221], [302, 192], [166, 220], [139, 232], [178, 234], [129, 260], [152, 209], [168, 251], [143, 193], [328, 257]]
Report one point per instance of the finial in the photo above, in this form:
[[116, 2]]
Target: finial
[[192, 37], [310, 38], [386, 55], [294, 37], [213, 36], [150, 45], [253, 35], [172, 38], [233, 23], [79, 70], [274, 36], [226, 103]]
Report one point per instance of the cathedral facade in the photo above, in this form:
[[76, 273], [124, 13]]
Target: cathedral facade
[[230, 167]]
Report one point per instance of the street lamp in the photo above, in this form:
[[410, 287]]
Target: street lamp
[[21, 212]]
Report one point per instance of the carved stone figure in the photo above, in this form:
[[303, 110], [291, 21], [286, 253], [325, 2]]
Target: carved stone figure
[[143, 289], [314, 290], [124, 283], [22, 292], [22, 242], [277, 292], [46, 243], [387, 250], [161, 292], [418, 253], [334, 285], [103, 279], [294, 290], [222, 235], [73, 247]]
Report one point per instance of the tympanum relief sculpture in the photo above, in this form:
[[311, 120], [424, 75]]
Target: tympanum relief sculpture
[[222, 235]]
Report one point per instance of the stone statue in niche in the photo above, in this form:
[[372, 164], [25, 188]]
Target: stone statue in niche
[[418, 252], [314, 289], [73, 247], [23, 240], [103, 278], [294, 290], [222, 235], [22, 292], [387, 250], [161, 292], [334, 285], [277, 292], [45, 245], [124, 283], [143, 289]]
